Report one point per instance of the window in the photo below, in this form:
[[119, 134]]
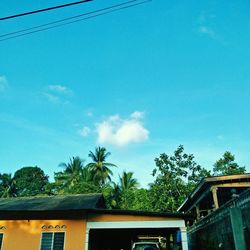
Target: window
[[52, 241], [1, 241]]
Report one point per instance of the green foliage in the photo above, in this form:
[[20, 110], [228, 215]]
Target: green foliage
[[127, 199], [74, 179], [112, 195], [167, 193], [127, 185], [177, 176], [7, 186], [30, 181], [127, 182], [99, 167], [126, 195], [142, 200], [227, 165], [121, 194], [136, 199], [67, 179]]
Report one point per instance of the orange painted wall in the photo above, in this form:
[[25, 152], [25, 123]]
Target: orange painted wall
[[26, 235], [118, 217]]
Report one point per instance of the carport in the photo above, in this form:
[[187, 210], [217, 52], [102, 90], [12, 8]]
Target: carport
[[119, 229]]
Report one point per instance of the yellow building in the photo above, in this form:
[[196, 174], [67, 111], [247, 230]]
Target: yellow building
[[82, 222]]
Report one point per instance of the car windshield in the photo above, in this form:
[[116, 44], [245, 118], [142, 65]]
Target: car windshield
[[145, 247]]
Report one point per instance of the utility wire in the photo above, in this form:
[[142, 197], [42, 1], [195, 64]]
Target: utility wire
[[43, 10], [69, 18], [78, 20]]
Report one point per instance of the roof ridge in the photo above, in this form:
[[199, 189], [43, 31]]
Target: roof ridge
[[50, 196]]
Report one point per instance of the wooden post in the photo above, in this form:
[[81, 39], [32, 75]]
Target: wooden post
[[237, 226], [215, 197], [197, 212]]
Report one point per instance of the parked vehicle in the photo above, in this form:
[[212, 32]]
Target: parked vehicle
[[145, 245]]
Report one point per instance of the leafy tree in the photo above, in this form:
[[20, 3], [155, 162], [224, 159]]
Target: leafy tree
[[51, 188], [30, 181], [7, 186], [227, 165], [177, 176], [99, 167], [167, 193], [142, 200], [127, 199], [136, 199], [85, 188]]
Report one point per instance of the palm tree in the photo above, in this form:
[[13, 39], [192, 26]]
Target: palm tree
[[99, 167], [120, 193], [73, 172], [127, 182], [7, 186], [112, 194], [125, 190]]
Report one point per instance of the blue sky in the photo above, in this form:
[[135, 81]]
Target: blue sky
[[139, 82]]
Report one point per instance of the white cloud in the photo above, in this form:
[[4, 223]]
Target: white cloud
[[89, 113], [57, 93], [220, 137], [51, 97], [84, 131], [117, 131], [3, 83], [207, 26], [59, 89], [207, 30], [137, 115]]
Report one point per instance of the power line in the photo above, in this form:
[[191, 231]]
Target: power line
[[78, 20], [43, 10], [69, 18]]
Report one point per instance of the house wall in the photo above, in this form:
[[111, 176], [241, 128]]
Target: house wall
[[118, 217], [26, 234]]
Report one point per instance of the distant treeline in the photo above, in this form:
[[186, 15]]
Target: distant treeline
[[174, 178]]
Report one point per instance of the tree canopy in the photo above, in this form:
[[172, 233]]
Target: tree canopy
[[175, 176], [227, 165], [7, 186], [30, 181]]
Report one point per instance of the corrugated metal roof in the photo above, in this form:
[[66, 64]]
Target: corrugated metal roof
[[66, 207]]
